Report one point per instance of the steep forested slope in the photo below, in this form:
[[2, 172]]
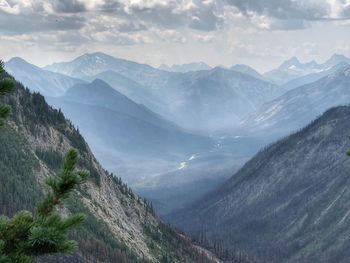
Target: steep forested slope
[[291, 202], [120, 226]]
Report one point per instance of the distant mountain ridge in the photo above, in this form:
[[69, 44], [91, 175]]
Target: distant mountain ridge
[[293, 68], [88, 65], [46, 82], [307, 79], [248, 70]]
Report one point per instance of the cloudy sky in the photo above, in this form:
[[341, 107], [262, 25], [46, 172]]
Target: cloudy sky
[[260, 33]]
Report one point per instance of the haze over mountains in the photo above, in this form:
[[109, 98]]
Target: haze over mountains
[[205, 100], [115, 124], [214, 100], [167, 132], [296, 108]]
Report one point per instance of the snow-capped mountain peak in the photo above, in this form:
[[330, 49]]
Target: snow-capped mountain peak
[[290, 63], [293, 69]]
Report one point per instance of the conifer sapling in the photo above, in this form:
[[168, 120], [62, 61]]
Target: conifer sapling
[[26, 236]]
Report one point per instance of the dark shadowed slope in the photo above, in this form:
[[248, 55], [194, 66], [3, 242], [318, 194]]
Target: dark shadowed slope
[[291, 202]]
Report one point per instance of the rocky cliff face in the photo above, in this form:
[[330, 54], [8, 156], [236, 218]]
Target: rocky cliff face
[[120, 226], [291, 202]]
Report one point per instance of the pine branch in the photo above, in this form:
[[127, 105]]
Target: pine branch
[[62, 185], [49, 234]]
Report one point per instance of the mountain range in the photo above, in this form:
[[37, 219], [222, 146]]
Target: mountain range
[[131, 139], [197, 100], [145, 123], [89, 65], [184, 137]]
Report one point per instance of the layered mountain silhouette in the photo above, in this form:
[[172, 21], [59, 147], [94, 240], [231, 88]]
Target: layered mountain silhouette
[[112, 123], [198, 100]]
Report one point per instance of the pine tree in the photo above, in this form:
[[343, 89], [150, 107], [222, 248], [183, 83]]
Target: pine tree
[[26, 236], [6, 85]]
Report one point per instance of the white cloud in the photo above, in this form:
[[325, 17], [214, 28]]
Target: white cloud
[[204, 38], [170, 36], [219, 30], [16, 7], [120, 38]]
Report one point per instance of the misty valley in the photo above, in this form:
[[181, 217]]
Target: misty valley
[[180, 131]]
